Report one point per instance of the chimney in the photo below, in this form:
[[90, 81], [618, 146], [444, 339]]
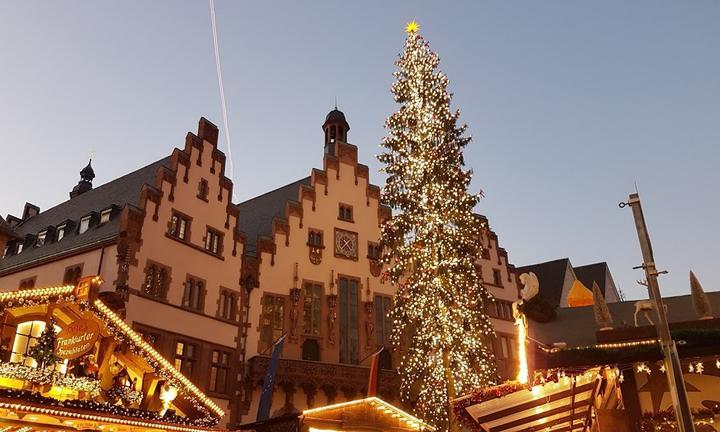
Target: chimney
[[29, 211]]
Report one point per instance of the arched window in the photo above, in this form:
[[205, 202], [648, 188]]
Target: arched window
[[311, 350], [27, 335]]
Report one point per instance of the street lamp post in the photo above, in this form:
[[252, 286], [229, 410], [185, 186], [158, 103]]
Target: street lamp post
[[676, 384]]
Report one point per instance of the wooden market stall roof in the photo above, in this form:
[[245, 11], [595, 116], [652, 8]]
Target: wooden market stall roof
[[562, 405], [371, 413]]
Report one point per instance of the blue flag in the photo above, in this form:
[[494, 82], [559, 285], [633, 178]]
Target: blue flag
[[263, 412]]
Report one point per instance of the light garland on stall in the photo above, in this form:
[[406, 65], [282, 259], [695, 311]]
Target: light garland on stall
[[155, 357], [92, 417], [47, 376], [412, 421]]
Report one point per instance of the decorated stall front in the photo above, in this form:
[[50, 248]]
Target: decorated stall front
[[600, 368], [68, 362]]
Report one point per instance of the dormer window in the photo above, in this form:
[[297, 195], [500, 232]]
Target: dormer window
[[61, 232], [5, 251], [105, 216], [41, 238], [84, 224], [19, 248], [345, 213]]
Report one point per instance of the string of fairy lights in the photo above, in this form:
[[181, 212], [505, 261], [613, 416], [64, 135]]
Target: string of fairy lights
[[432, 241]]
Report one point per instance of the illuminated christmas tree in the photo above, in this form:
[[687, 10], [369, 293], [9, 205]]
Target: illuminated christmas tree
[[432, 242], [43, 352]]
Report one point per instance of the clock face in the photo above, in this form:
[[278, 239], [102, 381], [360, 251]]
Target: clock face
[[346, 244]]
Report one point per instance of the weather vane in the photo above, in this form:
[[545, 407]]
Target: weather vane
[[412, 27]]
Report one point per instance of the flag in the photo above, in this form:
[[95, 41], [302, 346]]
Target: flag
[[263, 412], [374, 368]]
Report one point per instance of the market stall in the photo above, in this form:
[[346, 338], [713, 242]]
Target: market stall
[[68, 362]]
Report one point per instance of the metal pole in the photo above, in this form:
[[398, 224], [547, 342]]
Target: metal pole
[[676, 384]]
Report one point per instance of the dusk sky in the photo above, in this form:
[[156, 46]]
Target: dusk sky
[[570, 104]]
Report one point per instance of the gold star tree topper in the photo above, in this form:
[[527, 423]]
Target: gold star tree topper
[[412, 27]]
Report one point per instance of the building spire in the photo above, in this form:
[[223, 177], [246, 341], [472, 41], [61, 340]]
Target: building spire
[[87, 175]]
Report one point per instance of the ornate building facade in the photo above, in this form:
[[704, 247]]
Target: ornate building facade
[[212, 284], [166, 241]]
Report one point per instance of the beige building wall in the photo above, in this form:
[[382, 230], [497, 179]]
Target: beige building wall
[[344, 182], [51, 273], [169, 318]]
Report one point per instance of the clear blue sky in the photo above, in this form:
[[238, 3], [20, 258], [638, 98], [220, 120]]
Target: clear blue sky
[[569, 103]]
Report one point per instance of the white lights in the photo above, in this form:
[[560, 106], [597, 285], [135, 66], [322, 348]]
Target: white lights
[[91, 417]]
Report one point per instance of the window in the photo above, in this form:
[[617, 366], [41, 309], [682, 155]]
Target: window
[[84, 224], [345, 213], [383, 322], [28, 283], [179, 226], [227, 308], [349, 326], [185, 355], [312, 304], [219, 371], [194, 295], [203, 189], [213, 241], [311, 350], [385, 360], [26, 336], [501, 309], [315, 238], [156, 279], [60, 232], [273, 317], [105, 216], [41, 238], [374, 251], [72, 275], [497, 277], [5, 251], [19, 248]]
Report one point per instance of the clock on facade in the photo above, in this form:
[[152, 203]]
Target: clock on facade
[[346, 244]]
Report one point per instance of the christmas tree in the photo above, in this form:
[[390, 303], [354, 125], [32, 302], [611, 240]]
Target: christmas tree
[[43, 352], [432, 242]]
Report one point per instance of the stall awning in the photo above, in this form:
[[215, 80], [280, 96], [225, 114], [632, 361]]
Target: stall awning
[[554, 406]]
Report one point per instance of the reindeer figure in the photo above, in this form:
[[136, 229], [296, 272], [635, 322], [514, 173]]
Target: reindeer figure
[[645, 306]]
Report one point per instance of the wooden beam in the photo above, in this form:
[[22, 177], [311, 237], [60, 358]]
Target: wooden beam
[[533, 404], [535, 417]]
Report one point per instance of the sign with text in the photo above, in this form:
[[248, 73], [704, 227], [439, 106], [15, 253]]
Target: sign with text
[[76, 339]]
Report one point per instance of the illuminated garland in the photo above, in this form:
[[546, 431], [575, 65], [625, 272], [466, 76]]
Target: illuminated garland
[[432, 241], [122, 333], [47, 376], [118, 411], [664, 420], [125, 394]]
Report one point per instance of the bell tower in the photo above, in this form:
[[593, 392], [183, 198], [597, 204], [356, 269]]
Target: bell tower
[[336, 129]]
